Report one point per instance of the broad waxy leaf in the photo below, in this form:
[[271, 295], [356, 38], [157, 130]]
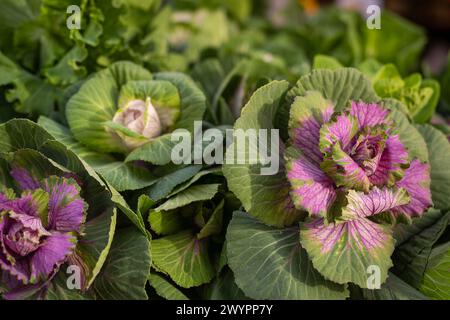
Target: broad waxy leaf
[[411, 257], [269, 263], [344, 252]]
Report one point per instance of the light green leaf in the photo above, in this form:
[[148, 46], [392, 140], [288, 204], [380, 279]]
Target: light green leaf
[[427, 112], [165, 222], [411, 257], [339, 86], [165, 288], [265, 197], [68, 69], [184, 258], [398, 41], [269, 263]]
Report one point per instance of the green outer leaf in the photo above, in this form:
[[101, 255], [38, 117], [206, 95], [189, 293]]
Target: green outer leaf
[[97, 101], [339, 86], [411, 257], [184, 258], [195, 193], [439, 154], [326, 62], [165, 288], [214, 223], [403, 232], [48, 157], [126, 269], [157, 151], [194, 179], [96, 242], [436, 282], [269, 263], [120, 202], [193, 106], [122, 176], [409, 135], [265, 197], [61, 154]]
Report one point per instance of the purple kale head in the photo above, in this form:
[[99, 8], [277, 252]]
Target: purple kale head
[[354, 154], [350, 171], [38, 229]]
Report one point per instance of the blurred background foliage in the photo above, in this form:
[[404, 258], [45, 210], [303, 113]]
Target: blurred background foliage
[[229, 47]]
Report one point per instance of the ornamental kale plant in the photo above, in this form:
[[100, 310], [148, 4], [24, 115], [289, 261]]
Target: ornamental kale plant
[[355, 170], [58, 217]]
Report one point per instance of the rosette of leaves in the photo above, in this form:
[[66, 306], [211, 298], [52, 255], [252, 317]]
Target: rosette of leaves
[[40, 56], [187, 213], [58, 224], [120, 121], [329, 214]]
